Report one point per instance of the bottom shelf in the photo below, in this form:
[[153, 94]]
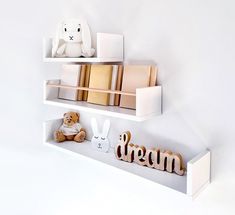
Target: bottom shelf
[[170, 180], [198, 169]]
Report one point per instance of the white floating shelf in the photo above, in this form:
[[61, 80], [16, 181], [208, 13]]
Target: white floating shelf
[[83, 60], [198, 169], [148, 103], [109, 49]]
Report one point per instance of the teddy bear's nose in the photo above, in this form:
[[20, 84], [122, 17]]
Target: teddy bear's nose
[[71, 37]]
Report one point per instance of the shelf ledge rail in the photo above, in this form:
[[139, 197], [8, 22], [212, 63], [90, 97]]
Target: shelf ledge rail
[[91, 89]]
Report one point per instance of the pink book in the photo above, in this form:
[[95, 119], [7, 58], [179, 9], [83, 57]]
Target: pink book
[[134, 76]]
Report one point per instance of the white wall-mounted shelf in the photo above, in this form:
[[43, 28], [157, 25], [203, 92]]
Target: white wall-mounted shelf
[[198, 168], [148, 103], [109, 49]]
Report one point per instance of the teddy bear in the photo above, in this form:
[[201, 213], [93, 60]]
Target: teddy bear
[[71, 129]]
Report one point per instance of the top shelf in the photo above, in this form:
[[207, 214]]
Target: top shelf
[[109, 49], [82, 60]]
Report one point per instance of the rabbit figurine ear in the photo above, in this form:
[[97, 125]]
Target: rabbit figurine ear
[[86, 38], [94, 126], [106, 127], [56, 40]]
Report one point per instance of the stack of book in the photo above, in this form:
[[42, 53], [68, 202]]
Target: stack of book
[[106, 77]]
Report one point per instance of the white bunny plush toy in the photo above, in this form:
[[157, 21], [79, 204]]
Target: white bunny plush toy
[[73, 39], [100, 140]]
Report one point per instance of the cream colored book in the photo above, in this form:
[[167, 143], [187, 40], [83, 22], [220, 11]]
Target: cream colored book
[[134, 76], [81, 82], [87, 79], [113, 84], [118, 85], [100, 78], [70, 76]]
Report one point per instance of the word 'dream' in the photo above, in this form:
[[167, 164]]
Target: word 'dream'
[[154, 158]]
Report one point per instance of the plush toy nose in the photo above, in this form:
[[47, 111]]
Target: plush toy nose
[[71, 37]]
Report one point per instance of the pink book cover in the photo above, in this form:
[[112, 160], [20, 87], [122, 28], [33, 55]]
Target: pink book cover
[[134, 76]]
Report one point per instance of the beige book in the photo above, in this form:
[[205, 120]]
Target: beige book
[[134, 76], [70, 76], [153, 76], [81, 82], [113, 84], [100, 78], [87, 78], [118, 85]]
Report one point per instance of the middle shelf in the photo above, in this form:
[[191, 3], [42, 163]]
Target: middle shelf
[[148, 102]]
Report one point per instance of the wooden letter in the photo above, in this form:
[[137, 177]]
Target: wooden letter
[[155, 158], [149, 157], [140, 155], [121, 148], [178, 164], [131, 152]]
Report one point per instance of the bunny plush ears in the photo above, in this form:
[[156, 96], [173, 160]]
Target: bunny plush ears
[[73, 25], [96, 132]]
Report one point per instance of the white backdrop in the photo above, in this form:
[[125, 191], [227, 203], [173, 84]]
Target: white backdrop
[[192, 41]]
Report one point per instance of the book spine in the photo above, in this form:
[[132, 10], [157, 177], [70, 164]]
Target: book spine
[[118, 85], [113, 84], [81, 82], [87, 79]]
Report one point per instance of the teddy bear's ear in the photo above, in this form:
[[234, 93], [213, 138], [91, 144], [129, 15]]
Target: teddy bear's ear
[[78, 115], [65, 114]]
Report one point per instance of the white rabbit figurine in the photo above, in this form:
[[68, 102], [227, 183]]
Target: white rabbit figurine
[[73, 39], [99, 140]]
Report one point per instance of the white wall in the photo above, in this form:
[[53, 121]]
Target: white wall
[[192, 41]]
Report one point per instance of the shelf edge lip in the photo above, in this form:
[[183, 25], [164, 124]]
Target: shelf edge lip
[[194, 184], [199, 156], [203, 187], [91, 89], [82, 60]]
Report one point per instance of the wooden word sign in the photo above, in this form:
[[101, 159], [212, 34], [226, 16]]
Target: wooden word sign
[[154, 158]]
